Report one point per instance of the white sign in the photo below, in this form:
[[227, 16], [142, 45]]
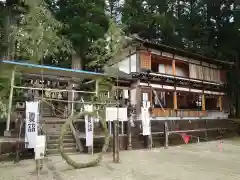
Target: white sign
[[145, 121], [40, 147], [89, 126], [89, 130], [31, 129], [125, 94], [113, 113], [145, 96]]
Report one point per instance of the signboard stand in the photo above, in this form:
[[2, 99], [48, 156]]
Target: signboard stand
[[89, 128], [116, 115], [32, 139], [146, 123], [116, 141]]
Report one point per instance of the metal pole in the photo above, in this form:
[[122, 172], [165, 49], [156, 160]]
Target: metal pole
[[10, 104]]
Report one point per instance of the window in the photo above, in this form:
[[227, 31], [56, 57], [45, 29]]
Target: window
[[161, 68]]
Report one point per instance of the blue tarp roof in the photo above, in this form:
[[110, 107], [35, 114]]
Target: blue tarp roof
[[27, 68]]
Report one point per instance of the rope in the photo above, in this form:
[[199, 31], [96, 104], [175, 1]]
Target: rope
[[94, 162]]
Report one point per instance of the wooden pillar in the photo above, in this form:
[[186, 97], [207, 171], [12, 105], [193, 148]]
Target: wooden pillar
[[220, 103], [7, 131], [129, 133], [149, 139], [203, 103], [175, 100], [72, 105], [97, 87], [174, 67], [138, 98], [116, 158], [166, 134]]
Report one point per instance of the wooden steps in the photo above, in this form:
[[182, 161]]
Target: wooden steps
[[53, 129]]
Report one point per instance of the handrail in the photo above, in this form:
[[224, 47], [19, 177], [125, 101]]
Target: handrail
[[76, 136]]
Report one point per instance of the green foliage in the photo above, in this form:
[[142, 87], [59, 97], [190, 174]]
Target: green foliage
[[37, 35], [104, 48], [85, 21]]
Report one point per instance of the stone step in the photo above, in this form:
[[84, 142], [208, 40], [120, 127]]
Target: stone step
[[66, 150], [56, 136], [65, 145], [65, 140]]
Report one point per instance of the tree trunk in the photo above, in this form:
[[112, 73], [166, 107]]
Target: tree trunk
[[8, 22], [76, 64], [76, 61]]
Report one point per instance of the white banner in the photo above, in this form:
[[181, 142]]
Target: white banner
[[113, 113], [32, 118], [40, 147], [89, 130], [89, 126], [145, 122]]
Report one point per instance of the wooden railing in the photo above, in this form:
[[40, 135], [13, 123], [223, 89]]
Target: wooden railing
[[158, 112]]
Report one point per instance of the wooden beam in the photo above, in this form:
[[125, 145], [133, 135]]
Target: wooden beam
[[175, 100], [174, 67], [203, 103]]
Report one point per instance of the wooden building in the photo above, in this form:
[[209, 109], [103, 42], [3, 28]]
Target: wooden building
[[189, 86], [187, 91]]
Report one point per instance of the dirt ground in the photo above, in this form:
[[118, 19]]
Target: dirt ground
[[203, 161]]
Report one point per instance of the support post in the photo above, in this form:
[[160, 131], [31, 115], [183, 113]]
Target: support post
[[129, 133], [72, 106], [97, 87], [175, 100], [138, 100], [174, 67], [203, 103], [150, 140], [117, 142], [220, 103], [7, 131], [114, 141], [166, 133]]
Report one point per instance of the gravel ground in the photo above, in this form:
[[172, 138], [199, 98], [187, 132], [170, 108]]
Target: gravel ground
[[203, 161]]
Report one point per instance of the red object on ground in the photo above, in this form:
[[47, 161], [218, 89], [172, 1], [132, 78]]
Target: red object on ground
[[220, 146], [186, 137]]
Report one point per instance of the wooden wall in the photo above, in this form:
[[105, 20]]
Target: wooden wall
[[205, 73], [145, 60], [192, 68]]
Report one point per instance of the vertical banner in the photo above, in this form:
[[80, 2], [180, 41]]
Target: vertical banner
[[31, 129], [145, 122], [89, 126]]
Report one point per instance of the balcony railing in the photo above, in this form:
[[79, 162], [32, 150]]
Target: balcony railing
[[158, 112]]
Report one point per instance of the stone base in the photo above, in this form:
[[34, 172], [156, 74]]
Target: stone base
[[7, 133]]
